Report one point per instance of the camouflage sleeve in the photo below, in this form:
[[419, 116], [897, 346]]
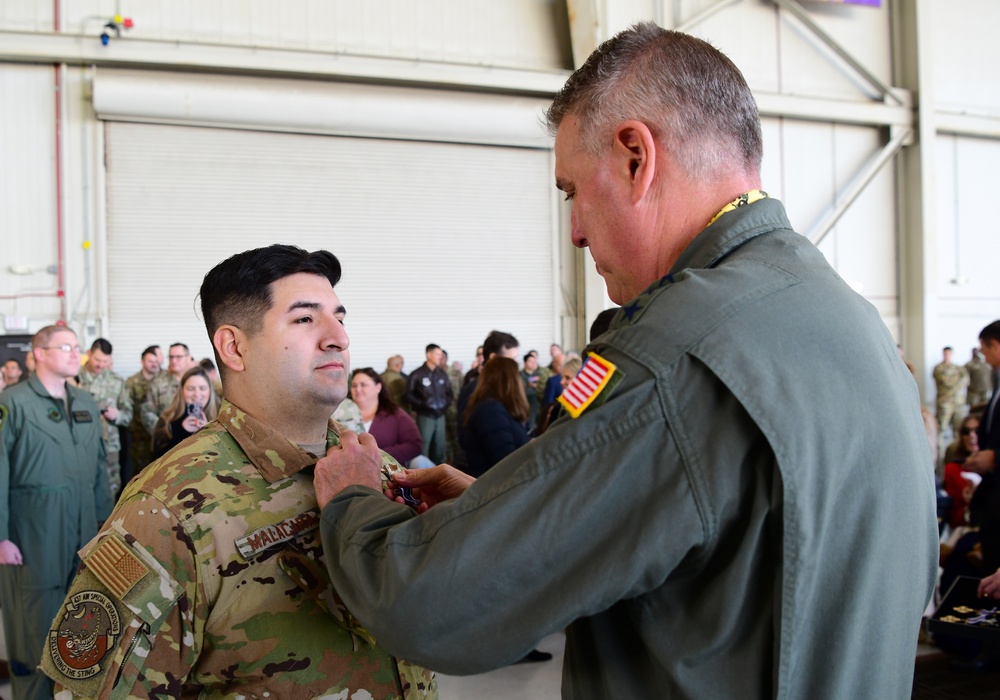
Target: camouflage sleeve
[[126, 408], [133, 623], [149, 415]]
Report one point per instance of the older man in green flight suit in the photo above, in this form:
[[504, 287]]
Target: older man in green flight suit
[[739, 502], [53, 493]]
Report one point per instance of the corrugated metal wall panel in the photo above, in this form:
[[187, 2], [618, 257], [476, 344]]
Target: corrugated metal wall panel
[[531, 34], [27, 190], [439, 242]]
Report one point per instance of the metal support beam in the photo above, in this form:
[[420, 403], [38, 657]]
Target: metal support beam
[[78, 49], [845, 198], [793, 7], [704, 14]]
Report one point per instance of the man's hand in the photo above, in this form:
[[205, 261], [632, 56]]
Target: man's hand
[[356, 460], [989, 587], [982, 462], [10, 554], [110, 413], [434, 485]]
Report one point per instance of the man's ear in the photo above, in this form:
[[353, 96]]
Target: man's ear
[[229, 342], [635, 147]]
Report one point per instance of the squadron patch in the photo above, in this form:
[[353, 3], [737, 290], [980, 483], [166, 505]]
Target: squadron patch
[[85, 635], [591, 386]]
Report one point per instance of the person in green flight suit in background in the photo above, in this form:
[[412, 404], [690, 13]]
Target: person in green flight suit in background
[[54, 492]]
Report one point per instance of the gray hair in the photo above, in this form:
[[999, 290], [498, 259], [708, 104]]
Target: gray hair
[[691, 96]]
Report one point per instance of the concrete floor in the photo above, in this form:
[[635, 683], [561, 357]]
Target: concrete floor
[[537, 681]]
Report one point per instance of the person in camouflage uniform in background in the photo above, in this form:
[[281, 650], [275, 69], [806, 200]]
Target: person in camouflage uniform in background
[[108, 389], [980, 380], [136, 388], [164, 386], [951, 381], [208, 579]]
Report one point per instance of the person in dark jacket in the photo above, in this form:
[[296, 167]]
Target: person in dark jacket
[[428, 393], [495, 416]]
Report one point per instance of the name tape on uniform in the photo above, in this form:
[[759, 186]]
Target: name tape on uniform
[[270, 535]]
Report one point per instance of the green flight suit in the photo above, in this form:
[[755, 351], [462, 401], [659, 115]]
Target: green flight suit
[[749, 514], [53, 492]]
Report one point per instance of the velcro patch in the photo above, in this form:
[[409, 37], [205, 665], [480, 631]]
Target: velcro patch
[[116, 566], [85, 634], [595, 380], [270, 535]]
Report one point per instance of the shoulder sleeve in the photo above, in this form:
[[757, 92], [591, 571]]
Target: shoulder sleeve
[[133, 622]]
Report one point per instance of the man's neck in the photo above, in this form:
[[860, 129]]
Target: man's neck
[[53, 383], [302, 425], [430, 366], [148, 375]]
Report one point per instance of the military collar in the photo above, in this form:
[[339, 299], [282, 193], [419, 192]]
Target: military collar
[[731, 228], [275, 456], [36, 385]]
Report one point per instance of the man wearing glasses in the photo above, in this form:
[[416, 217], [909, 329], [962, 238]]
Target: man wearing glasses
[[165, 385], [54, 492]]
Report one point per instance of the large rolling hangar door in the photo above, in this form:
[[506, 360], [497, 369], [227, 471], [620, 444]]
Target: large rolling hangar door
[[440, 242]]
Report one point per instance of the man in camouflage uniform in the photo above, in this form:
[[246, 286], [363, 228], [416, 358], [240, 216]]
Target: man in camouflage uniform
[[164, 386], [951, 381], [108, 389], [208, 579], [980, 380], [53, 495], [136, 388], [394, 380]]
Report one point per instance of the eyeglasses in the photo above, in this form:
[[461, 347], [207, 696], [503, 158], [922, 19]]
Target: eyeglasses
[[177, 357], [65, 347], [967, 431]]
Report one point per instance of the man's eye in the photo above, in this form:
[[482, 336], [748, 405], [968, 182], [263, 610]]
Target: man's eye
[[304, 319]]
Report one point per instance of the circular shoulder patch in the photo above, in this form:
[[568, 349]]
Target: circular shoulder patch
[[86, 633]]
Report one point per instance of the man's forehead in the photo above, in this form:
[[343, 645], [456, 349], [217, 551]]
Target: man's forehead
[[302, 288]]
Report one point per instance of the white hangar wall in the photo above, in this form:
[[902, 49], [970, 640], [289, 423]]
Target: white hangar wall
[[912, 235]]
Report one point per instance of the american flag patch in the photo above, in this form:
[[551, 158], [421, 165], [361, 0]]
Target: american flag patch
[[587, 385], [115, 566]]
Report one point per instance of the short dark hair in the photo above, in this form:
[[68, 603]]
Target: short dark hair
[[498, 341], [181, 345], [237, 291], [690, 95], [948, 348], [602, 322], [101, 344], [991, 332], [432, 346], [151, 350], [531, 353], [207, 365]]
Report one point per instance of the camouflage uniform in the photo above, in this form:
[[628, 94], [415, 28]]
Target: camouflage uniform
[[980, 381], [208, 581], [162, 389], [108, 387], [951, 381], [395, 384], [349, 415], [136, 388]]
